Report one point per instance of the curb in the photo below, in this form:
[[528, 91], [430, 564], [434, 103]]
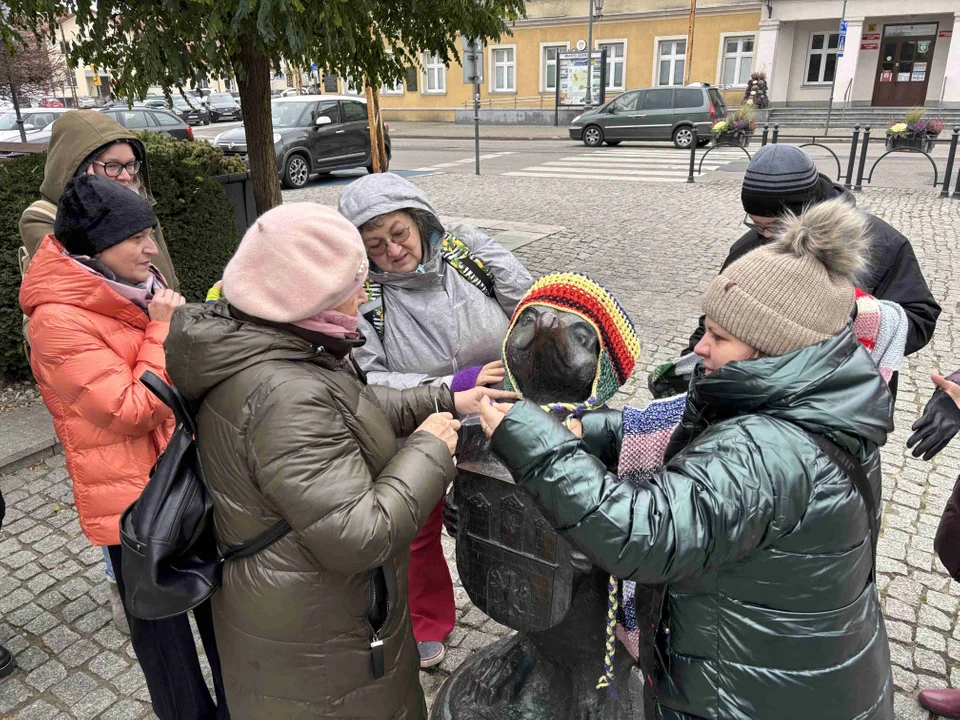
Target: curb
[[33, 455], [406, 136]]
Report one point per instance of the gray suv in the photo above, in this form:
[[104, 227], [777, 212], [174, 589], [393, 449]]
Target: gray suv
[[652, 114]]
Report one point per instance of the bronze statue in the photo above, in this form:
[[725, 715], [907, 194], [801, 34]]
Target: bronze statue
[[520, 571]]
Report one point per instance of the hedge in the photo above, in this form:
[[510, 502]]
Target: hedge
[[193, 209]]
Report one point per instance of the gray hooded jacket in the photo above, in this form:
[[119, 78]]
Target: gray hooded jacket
[[436, 322]]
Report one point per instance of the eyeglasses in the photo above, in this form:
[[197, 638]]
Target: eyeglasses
[[397, 238], [113, 169], [772, 228]]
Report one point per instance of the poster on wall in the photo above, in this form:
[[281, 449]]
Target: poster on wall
[[918, 76], [903, 77], [572, 84], [886, 76]]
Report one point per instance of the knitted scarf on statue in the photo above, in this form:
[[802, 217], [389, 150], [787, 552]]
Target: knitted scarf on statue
[[880, 326]]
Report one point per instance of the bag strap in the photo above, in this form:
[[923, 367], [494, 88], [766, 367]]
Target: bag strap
[[172, 398], [853, 469], [260, 542]]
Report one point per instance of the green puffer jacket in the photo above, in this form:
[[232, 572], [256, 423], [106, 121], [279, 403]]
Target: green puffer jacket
[[286, 431], [770, 611]]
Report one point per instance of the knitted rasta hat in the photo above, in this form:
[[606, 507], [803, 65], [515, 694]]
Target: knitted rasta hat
[[619, 344]]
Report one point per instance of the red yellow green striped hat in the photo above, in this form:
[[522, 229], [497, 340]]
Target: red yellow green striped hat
[[619, 344]]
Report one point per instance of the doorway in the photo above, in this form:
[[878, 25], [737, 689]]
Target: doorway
[[906, 58]]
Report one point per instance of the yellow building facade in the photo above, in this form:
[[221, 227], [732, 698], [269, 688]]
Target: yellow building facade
[[646, 43]]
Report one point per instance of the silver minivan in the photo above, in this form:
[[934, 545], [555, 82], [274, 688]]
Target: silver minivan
[[669, 113]]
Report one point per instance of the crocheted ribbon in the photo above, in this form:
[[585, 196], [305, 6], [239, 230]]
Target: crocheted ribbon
[[613, 602], [619, 343]]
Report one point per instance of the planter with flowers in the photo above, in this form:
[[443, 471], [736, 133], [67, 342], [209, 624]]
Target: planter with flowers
[[756, 92], [915, 131], [735, 130]]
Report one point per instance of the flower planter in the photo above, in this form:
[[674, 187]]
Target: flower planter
[[732, 140], [239, 189], [918, 142]]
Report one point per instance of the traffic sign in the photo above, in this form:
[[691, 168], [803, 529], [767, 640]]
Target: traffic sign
[[842, 41]]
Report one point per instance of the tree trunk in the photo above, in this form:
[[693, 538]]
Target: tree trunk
[[253, 79], [14, 93], [373, 120]]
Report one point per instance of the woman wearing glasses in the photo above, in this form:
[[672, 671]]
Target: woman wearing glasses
[[87, 142], [440, 305]]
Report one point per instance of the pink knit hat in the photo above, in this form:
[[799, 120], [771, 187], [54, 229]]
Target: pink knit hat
[[294, 262]]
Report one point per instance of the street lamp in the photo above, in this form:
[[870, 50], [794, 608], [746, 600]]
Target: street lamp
[[595, 8]]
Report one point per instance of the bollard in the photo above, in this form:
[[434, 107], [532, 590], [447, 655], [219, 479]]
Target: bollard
[[863, 158], [951, 154], [853, 157], [763, 137], [776, 133], [956, 190], [693, 155]]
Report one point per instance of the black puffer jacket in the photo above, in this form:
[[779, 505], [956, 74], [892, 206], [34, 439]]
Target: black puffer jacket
[[895, 274]]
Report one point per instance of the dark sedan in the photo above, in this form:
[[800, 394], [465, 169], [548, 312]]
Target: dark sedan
[[153, 119], [223, 107], [313, 134], [190, 109]]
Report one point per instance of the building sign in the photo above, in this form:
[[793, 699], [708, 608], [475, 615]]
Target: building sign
[[581, 45], [869, 46], [872, 28], [572, 85], [921, 66], [923, 47], [871, 37], [886, 76], [918, 76], [910, 30], [903, 77], [842, 41], [945, 33]]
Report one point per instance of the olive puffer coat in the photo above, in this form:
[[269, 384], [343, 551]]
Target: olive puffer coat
[[771, 610], [287, 431]]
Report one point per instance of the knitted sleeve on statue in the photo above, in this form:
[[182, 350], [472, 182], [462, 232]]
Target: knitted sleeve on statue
[[466, 379], [646, 433], [881, 327]]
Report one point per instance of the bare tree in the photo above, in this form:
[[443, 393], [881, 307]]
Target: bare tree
[[28, 68]]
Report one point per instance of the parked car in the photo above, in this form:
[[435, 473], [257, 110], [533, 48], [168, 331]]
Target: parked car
[[85, 102], [35, 122], [314, 134], [124, 102], [51, 102], [669, 113], [222, 106], [150, 118], [190, 109]]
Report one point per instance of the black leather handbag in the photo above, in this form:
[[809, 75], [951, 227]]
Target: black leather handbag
[[171, 562]]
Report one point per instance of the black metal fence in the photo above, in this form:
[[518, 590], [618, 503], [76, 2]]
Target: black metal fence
[[859, 146]]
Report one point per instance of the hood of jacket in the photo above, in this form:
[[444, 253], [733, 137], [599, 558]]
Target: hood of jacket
[[207, 345], [832, 388], [375, 195], [76, 134], [55, 277], [830, 190]]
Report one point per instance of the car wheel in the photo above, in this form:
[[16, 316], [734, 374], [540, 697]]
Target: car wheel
[[613, 143], [703, 143], [683, 136], [592, 136], [207, 121], [296, 172]]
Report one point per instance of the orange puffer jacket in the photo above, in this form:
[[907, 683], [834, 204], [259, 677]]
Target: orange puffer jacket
[[89, 347]]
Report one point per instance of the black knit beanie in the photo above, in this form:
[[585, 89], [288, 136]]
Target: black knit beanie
[[780, 178], [95, 213]]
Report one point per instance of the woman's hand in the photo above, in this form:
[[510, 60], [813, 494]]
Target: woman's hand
[[491, 414], [491, 374], [469, 402], [575, 426], [443, 427], [940, 421], [163, 304]]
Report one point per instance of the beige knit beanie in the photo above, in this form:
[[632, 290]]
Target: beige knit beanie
[[295, 261], [799, 289]]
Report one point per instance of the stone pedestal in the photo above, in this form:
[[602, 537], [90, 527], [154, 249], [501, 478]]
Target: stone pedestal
[[524, 575]]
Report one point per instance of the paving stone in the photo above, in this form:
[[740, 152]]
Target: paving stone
[[49, 544], [901, 655], [60, 638], [108, 665], [124, 710], [27, 571], [34, 535], [475, 618], [31, 658], [929, 661], [41, 623], [11, 602], [93, 704], [130, 681], [38, 710], [40, 583], [51, 599], [904, 679], [12, 693], [74, 688], [23, 615], [75, 588], [79, 653], [899, 631], [110, 637], [931, 639], [900, 610], [934, 618], [46, 675], [78, 608], [65, 570], [94, 621]]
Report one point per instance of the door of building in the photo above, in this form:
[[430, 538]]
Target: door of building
[[903, 72]]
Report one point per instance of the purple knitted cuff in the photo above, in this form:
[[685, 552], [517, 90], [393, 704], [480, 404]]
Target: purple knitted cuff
[[466, 379]]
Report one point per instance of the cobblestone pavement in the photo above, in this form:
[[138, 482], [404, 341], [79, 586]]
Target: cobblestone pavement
[[655, 246]]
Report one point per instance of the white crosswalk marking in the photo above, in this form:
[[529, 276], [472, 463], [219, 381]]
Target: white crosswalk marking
[[631, 164], [464, 161]]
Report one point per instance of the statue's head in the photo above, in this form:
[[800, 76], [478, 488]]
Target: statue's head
[[570, 343]]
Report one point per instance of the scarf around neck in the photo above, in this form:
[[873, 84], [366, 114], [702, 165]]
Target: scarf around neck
[[331, 322], [139, 294]]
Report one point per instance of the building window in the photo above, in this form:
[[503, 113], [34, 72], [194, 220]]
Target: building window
[[822, 59], [434, 74], [395, 88], [352, 87], [616, 57], [737, 60], [671, 62], [548, 64], [504, 69]]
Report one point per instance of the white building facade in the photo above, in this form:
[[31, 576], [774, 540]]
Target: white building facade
[[889, 59]]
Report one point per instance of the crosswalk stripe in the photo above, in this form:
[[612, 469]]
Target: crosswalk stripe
[[608, 171], [464, 161], [625, 165], [571, 176]]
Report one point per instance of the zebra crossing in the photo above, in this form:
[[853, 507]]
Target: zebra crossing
[[631, 164]]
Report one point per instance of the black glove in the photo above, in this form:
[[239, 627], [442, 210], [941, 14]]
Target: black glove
[[938, 425]]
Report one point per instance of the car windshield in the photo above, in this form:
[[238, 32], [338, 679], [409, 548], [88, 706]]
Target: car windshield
[[179, 102], [222, 97], [8, 121], [287, 114]]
